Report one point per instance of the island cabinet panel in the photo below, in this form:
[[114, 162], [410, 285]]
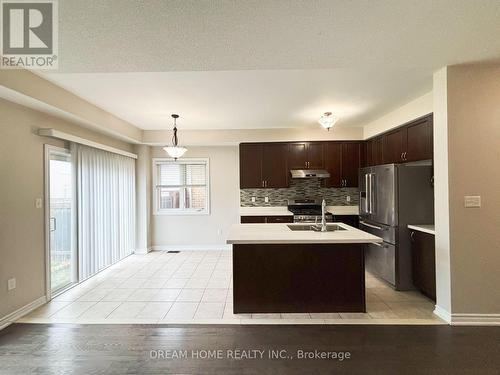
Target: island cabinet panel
[[251, 166], [306, 155], [298, 278]]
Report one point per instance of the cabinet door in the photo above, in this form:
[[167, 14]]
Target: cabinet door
[[424, 262], [297, 155], [394, 146], [374, 151], [253, 219], [419, 140], [315, 156], [279, 219], [350, 164], [333, 163], [274, 165], [251, 165]]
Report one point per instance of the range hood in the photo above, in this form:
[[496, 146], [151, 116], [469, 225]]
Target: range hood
[[309, 173]]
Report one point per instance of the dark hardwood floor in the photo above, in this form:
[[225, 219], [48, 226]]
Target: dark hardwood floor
[[126, 349]]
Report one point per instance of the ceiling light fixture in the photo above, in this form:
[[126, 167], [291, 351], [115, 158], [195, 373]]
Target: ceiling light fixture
[[327, 120], [175, 151]]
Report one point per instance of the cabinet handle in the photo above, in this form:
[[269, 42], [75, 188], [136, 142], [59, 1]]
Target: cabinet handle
[[262, 183], [406, 153], [412, 234], [401, 157], [265, 183]]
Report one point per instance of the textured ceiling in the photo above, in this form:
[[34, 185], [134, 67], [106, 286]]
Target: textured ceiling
[[264, 64]]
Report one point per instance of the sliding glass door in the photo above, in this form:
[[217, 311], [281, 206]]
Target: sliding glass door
[[62, 259]]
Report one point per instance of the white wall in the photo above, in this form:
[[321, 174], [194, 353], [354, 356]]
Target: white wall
[[418, 107], [441, 194], [200, 230]]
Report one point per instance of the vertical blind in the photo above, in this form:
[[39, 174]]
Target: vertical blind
[[106, 208]]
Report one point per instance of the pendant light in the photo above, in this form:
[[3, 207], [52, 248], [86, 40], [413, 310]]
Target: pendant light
[[175, 151], [327, 120]]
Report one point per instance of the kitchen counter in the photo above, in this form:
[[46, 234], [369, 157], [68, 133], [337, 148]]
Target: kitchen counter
[[343, 210], [265, 211], [423, 228], [281, 234]]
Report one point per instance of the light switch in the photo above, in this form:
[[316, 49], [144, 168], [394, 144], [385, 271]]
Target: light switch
[[472, 201], [11, 283], [38, 202]]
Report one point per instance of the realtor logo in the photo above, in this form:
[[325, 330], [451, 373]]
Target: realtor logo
[[29, 34]]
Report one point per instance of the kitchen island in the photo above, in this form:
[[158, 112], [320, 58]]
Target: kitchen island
[[290, 268]]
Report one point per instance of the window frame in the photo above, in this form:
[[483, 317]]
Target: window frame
[[180, 211]]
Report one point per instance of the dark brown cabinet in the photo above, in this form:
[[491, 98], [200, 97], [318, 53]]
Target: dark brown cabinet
[[263, 165], [306, 155], [412, 142], [342, 161], [265, 219], [419, 140], [374, 151], [351, 161], [423, 262], [394, 146]]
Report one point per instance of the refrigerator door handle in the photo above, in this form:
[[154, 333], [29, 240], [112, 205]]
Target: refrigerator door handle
[[372, 226], [370, 201]]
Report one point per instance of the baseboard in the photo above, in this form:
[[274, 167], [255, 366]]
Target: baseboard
[[143, 251], [442, 313], [19, 313], [475, 319], [192, 247]]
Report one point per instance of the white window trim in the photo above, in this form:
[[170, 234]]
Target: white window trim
[[174, 211]]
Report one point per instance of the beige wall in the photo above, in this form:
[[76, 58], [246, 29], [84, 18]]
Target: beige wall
[[22, 252], [224, 203], [474, 169]]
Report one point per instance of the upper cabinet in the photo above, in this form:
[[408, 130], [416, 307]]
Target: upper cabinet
[[419, 144], [412, 142], [342, 161], [306, 155], [263, 165], [375, 151]]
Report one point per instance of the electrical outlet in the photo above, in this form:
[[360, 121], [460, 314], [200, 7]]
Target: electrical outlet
[[38, 202], [348, 198], [266, 199], [253, 199], [472, 201], [11, 284]]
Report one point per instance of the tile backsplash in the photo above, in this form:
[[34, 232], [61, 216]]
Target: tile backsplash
[[306, 188]]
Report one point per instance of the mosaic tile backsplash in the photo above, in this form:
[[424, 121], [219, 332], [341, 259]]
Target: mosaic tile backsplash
[[307, 188]]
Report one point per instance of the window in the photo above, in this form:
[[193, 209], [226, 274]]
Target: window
[[181, 187]]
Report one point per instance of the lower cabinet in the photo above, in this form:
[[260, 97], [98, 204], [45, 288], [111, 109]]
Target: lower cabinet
[[266, 219], [424, 262]]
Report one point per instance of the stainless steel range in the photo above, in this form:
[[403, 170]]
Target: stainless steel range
[[307, 210]]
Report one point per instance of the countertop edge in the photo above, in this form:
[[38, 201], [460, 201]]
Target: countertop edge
[[291, 242], [422, 228]]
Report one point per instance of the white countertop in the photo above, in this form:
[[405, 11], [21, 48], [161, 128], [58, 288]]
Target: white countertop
[[265, 211], [281, 234], [423, 228], [343, 210]]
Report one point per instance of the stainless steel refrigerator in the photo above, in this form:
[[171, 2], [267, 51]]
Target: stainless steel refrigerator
[[391, 197]]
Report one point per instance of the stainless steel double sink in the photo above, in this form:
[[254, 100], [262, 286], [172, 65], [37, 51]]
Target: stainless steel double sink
[[314, 227]]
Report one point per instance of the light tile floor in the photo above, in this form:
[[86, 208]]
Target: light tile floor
[[196, 287]]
